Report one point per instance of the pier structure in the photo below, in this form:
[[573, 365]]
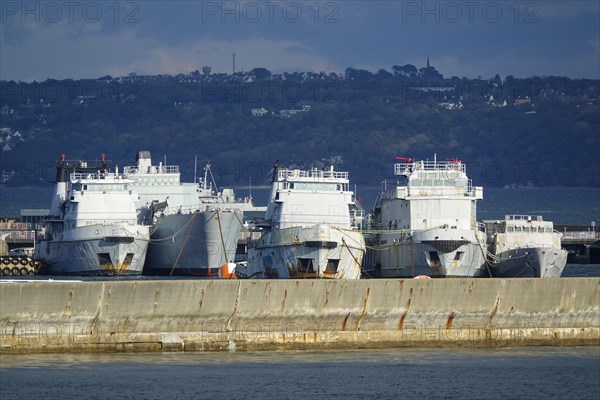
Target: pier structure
[[248, 315], [582, 242]]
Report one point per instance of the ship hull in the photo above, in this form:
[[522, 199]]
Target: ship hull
[[436, 253], [320, 251], [527, 262], [95, 250], [194, 244]]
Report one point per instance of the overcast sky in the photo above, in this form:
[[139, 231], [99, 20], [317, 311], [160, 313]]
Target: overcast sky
[[90, 39]]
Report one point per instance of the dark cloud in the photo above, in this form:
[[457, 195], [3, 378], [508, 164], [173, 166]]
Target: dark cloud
[[462, 38]]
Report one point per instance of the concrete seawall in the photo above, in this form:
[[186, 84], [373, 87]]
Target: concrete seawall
[[175, 315]]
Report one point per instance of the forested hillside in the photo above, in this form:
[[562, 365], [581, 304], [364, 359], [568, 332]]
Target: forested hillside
[[521, 132]]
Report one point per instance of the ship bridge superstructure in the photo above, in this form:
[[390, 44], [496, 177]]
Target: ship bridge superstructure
[[434, 178], [160, 187], [523, 231], [99, 198], [430, 194], [311, 197]]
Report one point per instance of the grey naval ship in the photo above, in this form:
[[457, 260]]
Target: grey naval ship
[[311, 228], [92, 228], [194, 228], [524, 247], [425, 224]]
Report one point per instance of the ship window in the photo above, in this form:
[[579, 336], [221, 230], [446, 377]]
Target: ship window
[[305, 265], [458, 255], [128, 259], [316, 186], [509, 229], [434, 259], [518, 229], [84, 187], [104, 259], [548, 230], [332, 266]]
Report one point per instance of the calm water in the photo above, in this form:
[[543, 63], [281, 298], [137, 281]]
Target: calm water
[[503, 374]]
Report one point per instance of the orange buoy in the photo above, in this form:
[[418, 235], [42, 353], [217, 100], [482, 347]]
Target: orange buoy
[[227, 271]]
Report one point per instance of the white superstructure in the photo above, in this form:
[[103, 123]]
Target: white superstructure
[[313, 221], [195, 229], [93, 228], [426, 223], [525, 246]]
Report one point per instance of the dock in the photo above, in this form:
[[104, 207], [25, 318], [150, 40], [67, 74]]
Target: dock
[[582, 242], [249, 315]]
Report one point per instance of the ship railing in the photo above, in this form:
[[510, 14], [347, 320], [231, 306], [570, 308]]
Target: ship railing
[[436, 191], [130, 170], [481, 227], [467, 190], [357, 215], [112, 222], [405, 168], [12, 225], [470, 190], [102, 175], [313, 173], [161, 169], [537, 218], [18, 235], [197, 208], [580, 234]]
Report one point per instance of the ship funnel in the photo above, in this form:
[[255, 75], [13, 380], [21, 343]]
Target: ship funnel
[[144, 161]]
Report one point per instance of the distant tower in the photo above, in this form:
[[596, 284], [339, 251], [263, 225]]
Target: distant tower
[[233, 54], [427, 61], [206, 70]]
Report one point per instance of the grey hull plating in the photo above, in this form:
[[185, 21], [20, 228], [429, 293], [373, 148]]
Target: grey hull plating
[[193, 244], [320, 251], [84, 257], [390, 255], [410, 260], [537, 262]]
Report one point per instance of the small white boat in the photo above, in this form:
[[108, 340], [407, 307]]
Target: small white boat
[[524, 247]]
